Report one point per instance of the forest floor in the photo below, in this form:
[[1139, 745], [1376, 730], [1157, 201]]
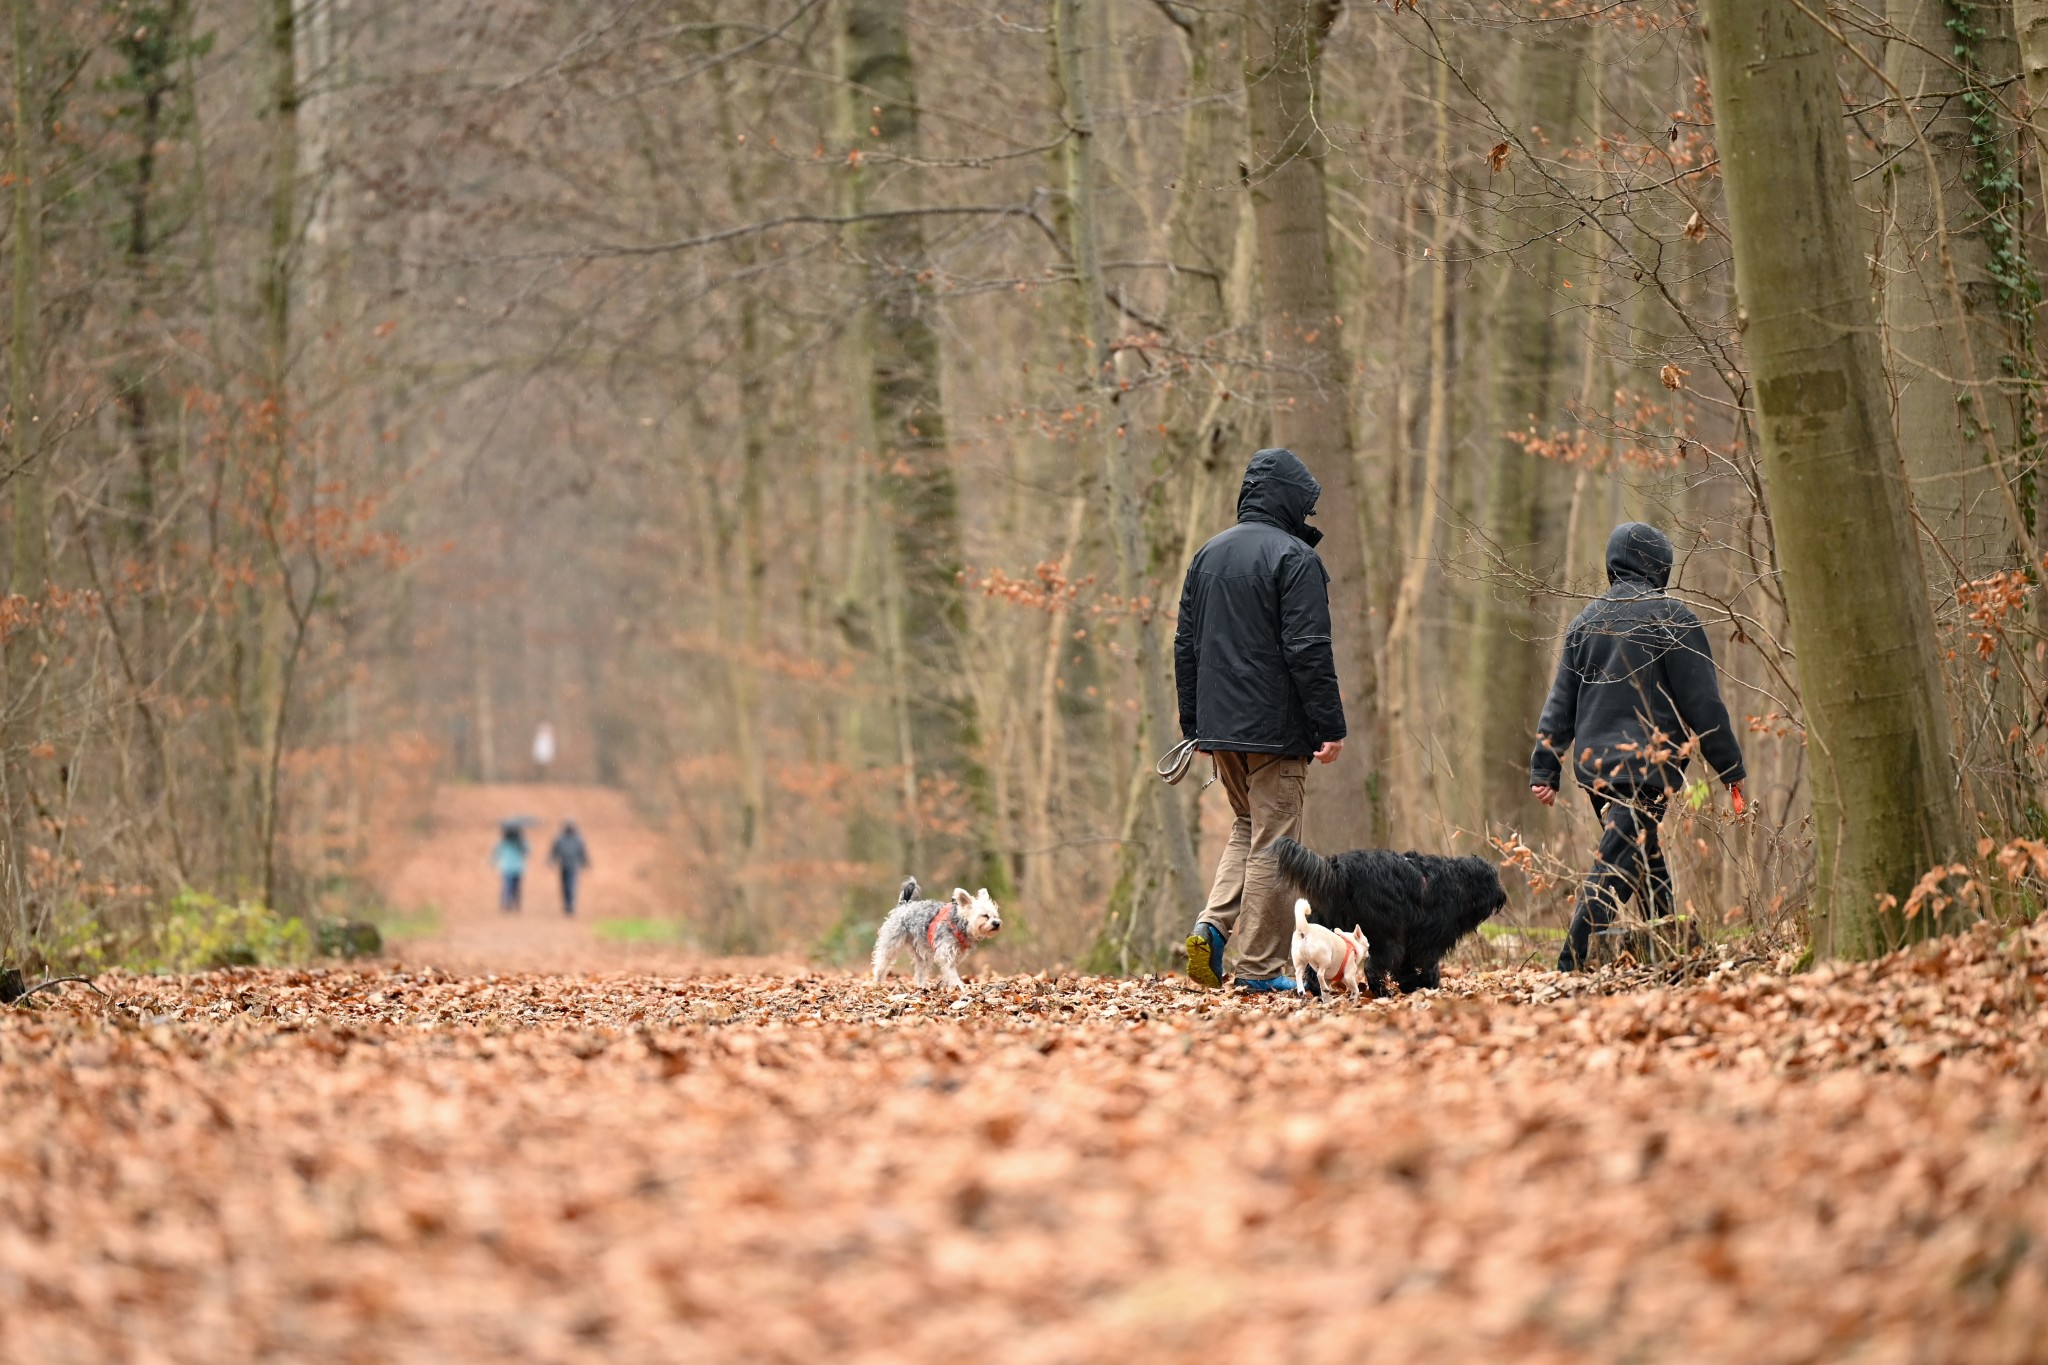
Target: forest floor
[[674, 1160]]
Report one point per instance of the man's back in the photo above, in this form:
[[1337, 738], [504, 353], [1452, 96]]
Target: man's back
[[1635, 681], [1252, 652]]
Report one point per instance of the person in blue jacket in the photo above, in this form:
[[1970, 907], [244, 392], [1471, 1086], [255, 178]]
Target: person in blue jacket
[[509, 857]]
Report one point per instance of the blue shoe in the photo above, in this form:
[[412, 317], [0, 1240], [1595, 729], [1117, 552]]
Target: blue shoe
[[1265, 985], [1205, 956]]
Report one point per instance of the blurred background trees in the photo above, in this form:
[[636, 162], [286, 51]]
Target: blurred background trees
[[809, 406]]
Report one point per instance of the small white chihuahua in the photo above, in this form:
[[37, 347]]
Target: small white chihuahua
[[1339, 959]]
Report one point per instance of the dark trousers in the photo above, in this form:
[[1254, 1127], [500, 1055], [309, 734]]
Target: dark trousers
[[508, 892], [568, 890], [1630, 863]]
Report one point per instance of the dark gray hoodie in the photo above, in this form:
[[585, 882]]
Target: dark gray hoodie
[[1636, 681], [1251, 655]]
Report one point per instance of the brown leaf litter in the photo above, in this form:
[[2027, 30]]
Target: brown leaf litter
[[397, 1165]]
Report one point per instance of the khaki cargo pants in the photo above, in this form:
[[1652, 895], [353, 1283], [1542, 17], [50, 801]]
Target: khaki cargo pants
[[1267, 794]]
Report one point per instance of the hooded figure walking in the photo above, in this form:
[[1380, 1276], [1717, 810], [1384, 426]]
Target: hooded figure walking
[[1635, 688], [571, 856], [1257, 678]]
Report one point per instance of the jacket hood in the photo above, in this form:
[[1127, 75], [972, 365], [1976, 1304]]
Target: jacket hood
[[1279, 490], [1639, 553]]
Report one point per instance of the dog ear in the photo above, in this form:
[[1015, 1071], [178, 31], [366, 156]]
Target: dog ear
[[961, 898]]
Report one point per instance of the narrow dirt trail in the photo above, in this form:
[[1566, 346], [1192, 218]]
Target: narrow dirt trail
[[448, 875]]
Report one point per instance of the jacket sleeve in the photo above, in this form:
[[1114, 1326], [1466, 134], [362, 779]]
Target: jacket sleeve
[[1694, 686], [1558, 725], [1186, 657], [1305, 643]]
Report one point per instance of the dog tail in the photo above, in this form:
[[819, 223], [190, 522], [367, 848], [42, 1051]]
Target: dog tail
[[909, 891], [1310, 872], [1301, 908]]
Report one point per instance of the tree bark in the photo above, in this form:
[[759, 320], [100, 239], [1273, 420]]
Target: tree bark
[[746, 643], [1156, 730], [1409, 751], [28, 567], [1884, 795], [917, 477], [1310, 388], [1513, 641], [1954, 214]]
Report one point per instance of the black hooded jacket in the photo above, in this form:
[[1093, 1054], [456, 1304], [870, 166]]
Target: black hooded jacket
[[1636, 682], [1252, 656]]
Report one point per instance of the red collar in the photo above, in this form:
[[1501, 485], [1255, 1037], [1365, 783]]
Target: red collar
[[952, 921]]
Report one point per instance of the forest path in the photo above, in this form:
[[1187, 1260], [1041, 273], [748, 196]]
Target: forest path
[[447, 885]]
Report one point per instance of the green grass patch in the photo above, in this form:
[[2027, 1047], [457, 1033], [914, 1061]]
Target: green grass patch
[[421, 922], [639, 931]]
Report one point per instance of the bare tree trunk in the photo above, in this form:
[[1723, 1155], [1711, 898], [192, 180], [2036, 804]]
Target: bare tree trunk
[[917, 475], [1404, 636], [1955, 210], [1512, 645], [1042, 869], [28, 569], [1310, 387], [1884, 795], [1155, 705], [746, 645]]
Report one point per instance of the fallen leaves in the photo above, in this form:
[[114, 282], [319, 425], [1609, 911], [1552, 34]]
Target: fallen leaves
[[409, 1165]]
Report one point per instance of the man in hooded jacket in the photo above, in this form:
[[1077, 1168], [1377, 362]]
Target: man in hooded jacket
[[1257, 679], [1636, 693]]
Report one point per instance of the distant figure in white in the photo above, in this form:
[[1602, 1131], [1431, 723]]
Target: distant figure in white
[[543, 748]]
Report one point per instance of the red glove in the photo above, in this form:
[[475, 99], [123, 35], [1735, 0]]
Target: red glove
[[1735, 797]]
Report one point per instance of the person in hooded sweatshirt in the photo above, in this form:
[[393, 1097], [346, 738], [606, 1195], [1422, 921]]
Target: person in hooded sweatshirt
[[1636, 693], [570, 856], [1257, 679]]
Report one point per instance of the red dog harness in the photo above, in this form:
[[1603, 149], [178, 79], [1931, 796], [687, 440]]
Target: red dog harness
[[1344, 967], [952, 922]]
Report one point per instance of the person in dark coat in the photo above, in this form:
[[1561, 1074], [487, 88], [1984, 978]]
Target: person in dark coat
[[1257, 679], [1636, 693], [569, 855]]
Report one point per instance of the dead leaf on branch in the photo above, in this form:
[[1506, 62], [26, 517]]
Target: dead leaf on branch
[[1672, 377], [1695, 227], [1497, 159]]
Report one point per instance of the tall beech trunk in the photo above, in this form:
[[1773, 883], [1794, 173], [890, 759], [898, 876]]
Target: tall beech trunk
[[1204, 430], [1884, 790], [746, 640], [1149, 936], [1955, 207], [28, 566], [1514, 635], [1408, 751], [917, 478], [1310, 384]]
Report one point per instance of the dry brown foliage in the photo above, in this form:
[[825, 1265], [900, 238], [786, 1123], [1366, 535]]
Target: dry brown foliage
[[406, 1165]]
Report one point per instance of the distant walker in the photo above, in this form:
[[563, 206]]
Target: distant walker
[[571, 857]]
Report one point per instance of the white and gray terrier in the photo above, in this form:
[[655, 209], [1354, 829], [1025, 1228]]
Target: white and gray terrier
[[938, 933]]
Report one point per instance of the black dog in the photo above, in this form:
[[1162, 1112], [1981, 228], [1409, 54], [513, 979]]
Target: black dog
[[1413, 907]]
